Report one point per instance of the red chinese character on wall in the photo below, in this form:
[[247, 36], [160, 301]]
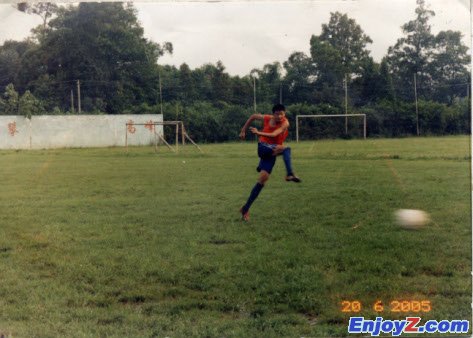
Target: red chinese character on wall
[[12, 128], [149, 125], [131, 128]]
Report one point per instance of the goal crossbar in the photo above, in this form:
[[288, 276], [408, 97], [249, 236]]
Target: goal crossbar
[[330, 115]]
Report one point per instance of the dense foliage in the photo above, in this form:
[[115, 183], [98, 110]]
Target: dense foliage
[[100, 48]]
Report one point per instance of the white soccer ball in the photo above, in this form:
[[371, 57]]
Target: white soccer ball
[[411, 219]]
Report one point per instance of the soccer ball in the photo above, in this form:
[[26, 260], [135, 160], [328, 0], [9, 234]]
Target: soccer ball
[[411, 219]]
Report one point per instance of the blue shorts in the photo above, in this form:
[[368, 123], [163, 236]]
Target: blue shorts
[[265, 153]]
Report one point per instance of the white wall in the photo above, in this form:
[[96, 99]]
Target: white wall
[[64, 131]]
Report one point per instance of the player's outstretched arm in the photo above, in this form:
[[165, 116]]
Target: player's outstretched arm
[[248, 122], [275, 133]]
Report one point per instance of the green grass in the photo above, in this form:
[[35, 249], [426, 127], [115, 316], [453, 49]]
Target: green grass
[[98, 242]]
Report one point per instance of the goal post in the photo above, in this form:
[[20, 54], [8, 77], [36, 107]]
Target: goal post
[[179, 125], [329, 115]]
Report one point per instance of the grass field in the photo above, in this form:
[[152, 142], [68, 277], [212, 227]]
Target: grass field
[[98, 242]]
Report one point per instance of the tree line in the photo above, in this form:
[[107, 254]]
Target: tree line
[[100, 49]]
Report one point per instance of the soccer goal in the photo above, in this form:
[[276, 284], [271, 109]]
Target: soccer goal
[[158, 137], [300, 117]]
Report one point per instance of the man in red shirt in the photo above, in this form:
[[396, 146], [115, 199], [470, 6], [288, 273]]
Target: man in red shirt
[[270, 145]]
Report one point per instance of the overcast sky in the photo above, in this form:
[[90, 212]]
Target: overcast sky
[[248, 34]]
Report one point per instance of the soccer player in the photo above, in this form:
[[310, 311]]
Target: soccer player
[[270, 145]]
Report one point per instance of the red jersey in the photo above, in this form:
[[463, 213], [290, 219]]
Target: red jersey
[[267, 128]]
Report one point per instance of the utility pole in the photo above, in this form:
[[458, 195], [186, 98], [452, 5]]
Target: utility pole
[[345, 82], [177, 126], [160, 92], [78, 96], [417, 109], [254, 94], [72, 101]]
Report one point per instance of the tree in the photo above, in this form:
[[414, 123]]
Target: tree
[[187, 86], [449, 67], [269, 82], [411, 54], [9, 103], [349, 40], [339, 54], [299, 78], [386, 90], [14, 104], [327, 61], [221, 83], [29, 105], [102, 45], [11, 54], [376, 83], [45, 10], [242, 91]]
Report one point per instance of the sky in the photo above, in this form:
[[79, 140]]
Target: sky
[[249, 34]]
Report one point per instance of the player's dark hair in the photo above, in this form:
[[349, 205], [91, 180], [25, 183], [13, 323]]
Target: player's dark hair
[[278, 107]]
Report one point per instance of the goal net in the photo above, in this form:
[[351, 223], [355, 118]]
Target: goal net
[[309, 127], [159, 134]]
